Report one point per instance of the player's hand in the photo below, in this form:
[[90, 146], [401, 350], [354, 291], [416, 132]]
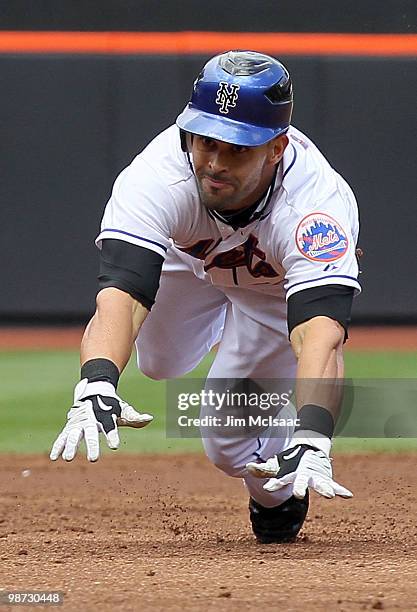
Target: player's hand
[[301, 466], [97, 409]]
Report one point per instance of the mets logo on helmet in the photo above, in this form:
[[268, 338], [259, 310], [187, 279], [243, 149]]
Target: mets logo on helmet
[[227, 96]]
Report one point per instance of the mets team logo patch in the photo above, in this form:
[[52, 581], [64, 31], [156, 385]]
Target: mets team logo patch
[[319, 237]]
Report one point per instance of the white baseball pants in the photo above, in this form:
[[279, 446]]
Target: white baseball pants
[[189, 317]]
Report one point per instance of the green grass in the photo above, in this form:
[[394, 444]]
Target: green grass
[[36, 392], [381, 364]]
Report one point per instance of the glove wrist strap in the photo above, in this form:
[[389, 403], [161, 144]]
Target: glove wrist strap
[[86, 389], [312, 438], [100, 370]]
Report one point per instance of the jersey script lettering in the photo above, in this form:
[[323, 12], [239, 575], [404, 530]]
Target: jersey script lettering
[[240, 256]]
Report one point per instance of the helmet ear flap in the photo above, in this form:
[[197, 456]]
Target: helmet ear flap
[[186, 141]]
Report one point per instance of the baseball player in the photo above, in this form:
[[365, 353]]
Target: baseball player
[[230, 228]]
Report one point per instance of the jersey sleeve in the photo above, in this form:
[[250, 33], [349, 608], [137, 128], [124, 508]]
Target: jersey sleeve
[[321, 247], [140, 211]]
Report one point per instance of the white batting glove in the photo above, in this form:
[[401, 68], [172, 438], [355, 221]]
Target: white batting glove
[[306, 464], [97, 409]]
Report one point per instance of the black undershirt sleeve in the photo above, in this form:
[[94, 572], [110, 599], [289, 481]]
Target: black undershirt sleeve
[[333, 301], [130, 268]]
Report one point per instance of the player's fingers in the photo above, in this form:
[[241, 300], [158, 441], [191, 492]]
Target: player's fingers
[[263, 470], [342, 491], [112, 438], [71, 446], [141, 421], [274, 484], [58, 446], [300, 486], [132, 418], [322, 487], [92, 442]]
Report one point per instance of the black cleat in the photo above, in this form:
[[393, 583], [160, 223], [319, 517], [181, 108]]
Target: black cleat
[[278, 524]]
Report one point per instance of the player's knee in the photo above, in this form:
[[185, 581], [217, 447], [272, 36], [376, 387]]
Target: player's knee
[[221, 455], [157, 369]]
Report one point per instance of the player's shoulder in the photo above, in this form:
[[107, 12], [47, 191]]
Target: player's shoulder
[[166, 158], [309, 189], [307, 176], [158, 187]]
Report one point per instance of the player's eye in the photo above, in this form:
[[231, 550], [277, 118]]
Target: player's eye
[[240, 149], [205, 144]]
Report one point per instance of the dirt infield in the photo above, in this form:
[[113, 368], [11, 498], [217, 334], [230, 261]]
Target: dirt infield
[[157, 533], [361, 338]]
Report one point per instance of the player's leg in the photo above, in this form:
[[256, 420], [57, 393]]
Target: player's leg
[[183, 325], [250, 349]]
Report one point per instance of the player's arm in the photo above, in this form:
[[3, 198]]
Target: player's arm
[[318, 320], [318, 346], [114, 327], [129, 279]]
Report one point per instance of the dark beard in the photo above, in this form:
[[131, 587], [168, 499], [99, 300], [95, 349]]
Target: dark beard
[[212, 203]]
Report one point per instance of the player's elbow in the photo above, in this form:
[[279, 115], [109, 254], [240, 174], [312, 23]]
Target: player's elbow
[[115, 307], [321, 331], [112, 299]]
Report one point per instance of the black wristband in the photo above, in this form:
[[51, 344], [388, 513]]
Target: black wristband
[[96, 370], [316, 418]]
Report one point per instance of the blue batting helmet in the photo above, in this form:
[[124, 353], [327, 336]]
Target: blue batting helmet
[[241, 97]]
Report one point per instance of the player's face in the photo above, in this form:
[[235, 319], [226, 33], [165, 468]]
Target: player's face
[[232, 177]]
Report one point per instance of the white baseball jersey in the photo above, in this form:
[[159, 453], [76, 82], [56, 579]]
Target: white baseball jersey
[[227, 286], [305, 237]]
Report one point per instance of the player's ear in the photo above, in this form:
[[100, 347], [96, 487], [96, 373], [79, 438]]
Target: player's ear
[[278, 146]]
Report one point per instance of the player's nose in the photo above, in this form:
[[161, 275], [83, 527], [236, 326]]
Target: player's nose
[[218, 162]]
